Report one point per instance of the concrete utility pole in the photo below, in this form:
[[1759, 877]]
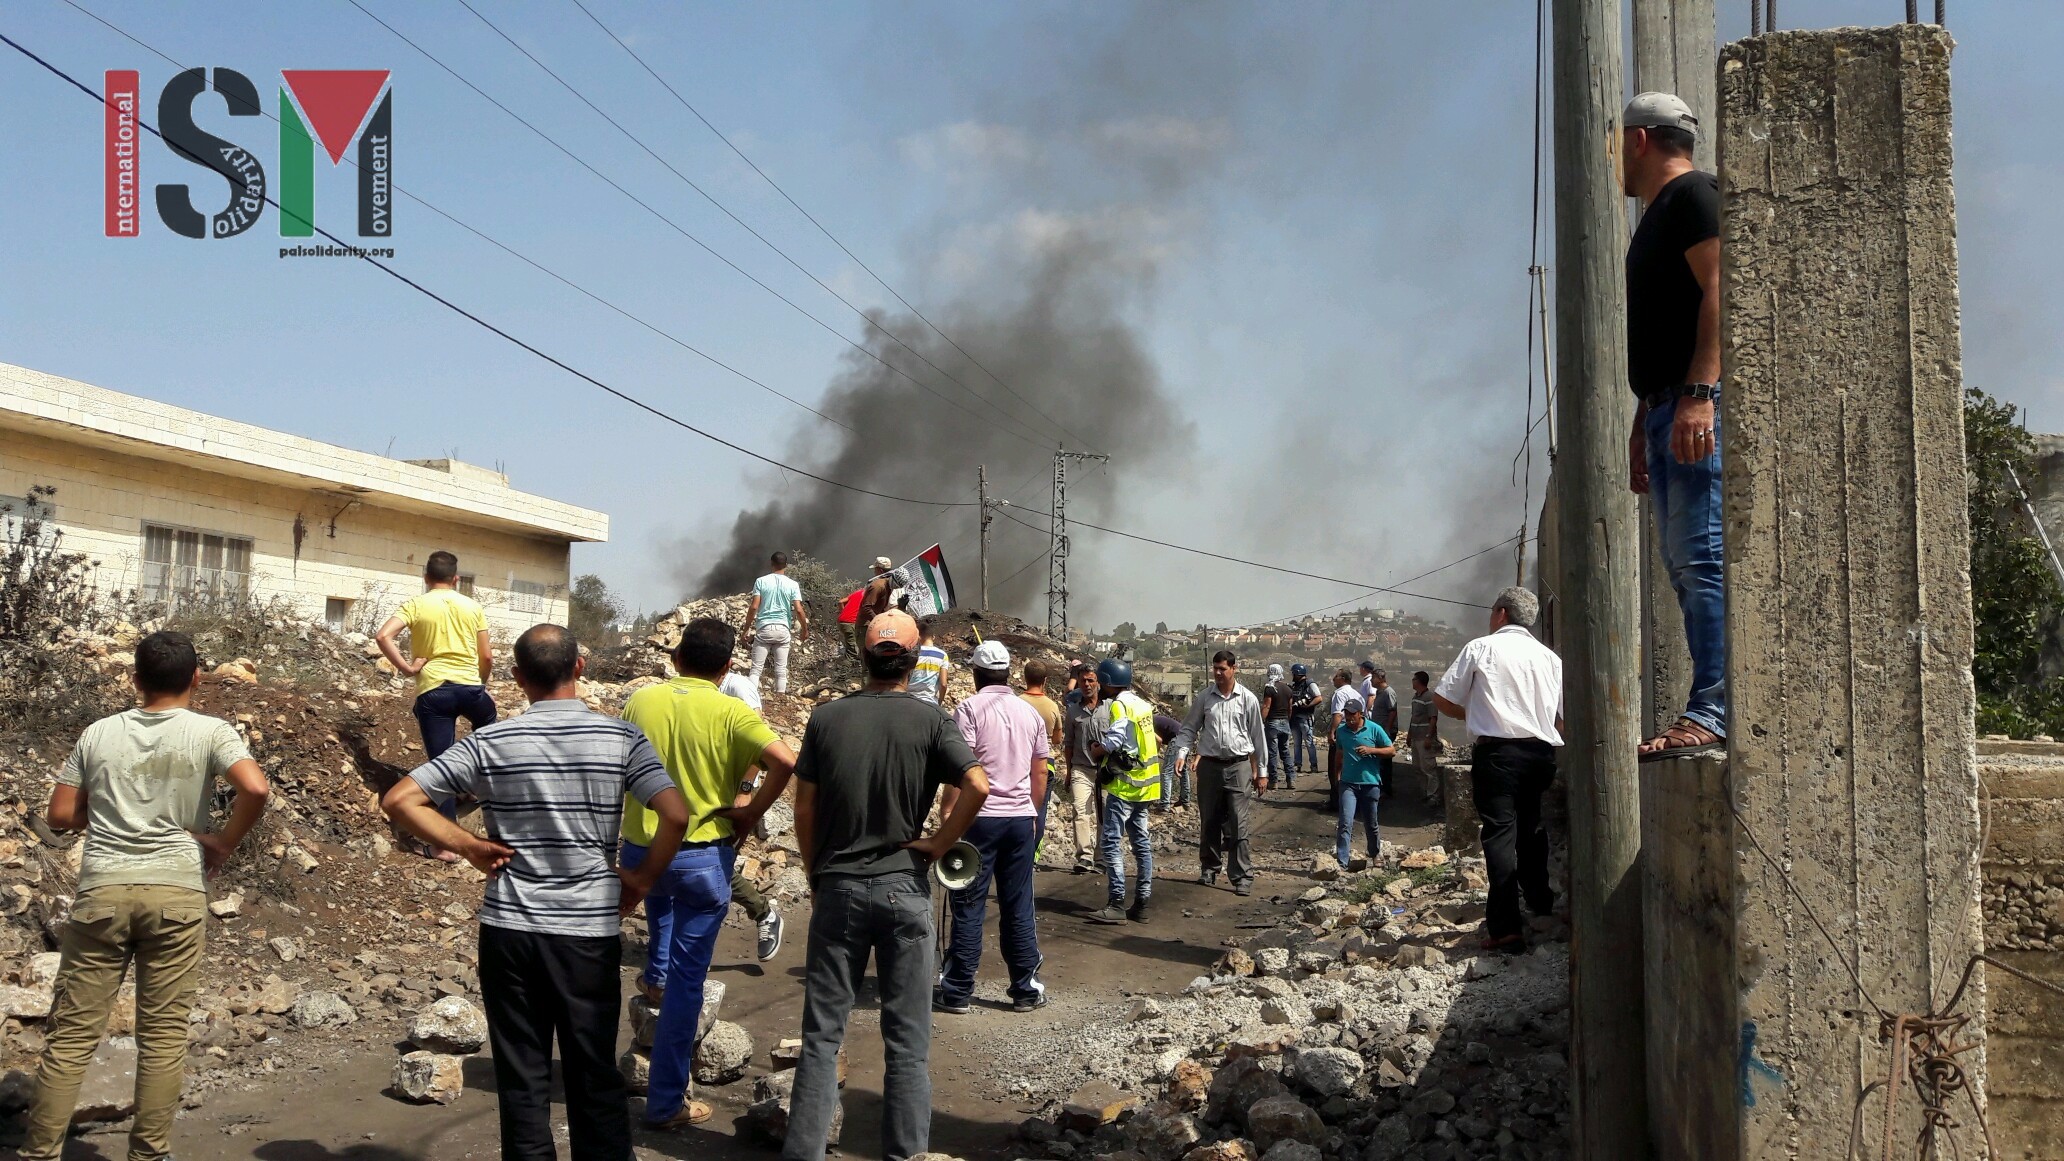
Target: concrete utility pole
[[982, 493], [1600, 567], [1675, 51]]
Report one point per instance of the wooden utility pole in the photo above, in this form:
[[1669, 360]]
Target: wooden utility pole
[[1599, 630], [982, 491]]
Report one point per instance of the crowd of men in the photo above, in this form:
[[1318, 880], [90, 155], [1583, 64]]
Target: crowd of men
[[588, 816]]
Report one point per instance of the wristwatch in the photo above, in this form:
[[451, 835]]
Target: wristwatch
[[1699, 391]]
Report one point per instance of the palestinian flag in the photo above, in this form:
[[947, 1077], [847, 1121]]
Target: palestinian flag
[[930, 586]]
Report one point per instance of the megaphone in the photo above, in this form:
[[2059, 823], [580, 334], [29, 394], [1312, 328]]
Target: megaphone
[[958, 867]]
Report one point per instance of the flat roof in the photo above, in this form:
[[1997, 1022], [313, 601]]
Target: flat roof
[[69, 410]]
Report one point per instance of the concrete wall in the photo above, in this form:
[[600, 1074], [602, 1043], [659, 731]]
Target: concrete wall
[[104, 498], [1688, 936], [2024, 926], [1847, 547]]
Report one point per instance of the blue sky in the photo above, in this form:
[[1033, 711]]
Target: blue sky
[[1317, 219]]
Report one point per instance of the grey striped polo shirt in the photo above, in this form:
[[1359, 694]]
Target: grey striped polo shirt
[[552, 783]]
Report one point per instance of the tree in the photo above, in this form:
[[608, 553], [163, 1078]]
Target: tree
[[1160, 626], [1126, 631], [2015, 597], [1153, 650], [592, 611]]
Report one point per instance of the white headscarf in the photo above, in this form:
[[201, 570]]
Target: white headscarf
[[1275, 673]]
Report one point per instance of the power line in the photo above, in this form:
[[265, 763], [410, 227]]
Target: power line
[[812, 218], [1372, 592], [497, 243], [1016, 430], [455, 308]]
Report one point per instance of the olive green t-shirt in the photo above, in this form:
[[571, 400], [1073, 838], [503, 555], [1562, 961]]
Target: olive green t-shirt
[[149, 776]]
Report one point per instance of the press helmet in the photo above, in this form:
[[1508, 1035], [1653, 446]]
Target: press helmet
[[1115, 673], [1300, 672]]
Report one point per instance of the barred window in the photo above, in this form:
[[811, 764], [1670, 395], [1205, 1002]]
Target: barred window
[[186, 565]]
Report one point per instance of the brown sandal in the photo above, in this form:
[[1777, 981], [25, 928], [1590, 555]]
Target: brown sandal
[[1683, 739]]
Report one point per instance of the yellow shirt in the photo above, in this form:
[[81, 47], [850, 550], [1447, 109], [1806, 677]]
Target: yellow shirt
[[707, 740], [444, 630]]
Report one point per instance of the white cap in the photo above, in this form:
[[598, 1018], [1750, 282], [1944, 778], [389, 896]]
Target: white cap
[[1659, 111], [884, 563], [990, 655]]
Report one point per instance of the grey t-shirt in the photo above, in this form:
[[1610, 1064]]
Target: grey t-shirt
[[1384, 709], [552, 783], [877, 761], [149, 776]]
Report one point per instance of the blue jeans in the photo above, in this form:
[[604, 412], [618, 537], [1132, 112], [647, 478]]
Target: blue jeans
[[1302, 743], [1125, 820], [887, 918], [1357, 798], [1277, 731], [1006, 845], [1175, 788], [437, 715], [682, 915], [1686, 499]]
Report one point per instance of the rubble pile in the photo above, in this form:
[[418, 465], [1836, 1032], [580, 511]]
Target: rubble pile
[[1364, 1026]]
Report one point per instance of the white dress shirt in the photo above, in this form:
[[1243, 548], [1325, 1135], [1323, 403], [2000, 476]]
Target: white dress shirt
[[1224, 726], [1510, 684], [1343, 694]]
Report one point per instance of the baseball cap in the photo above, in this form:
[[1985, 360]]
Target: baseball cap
[[1659, 111], [894, 627], [884, 563], [990, 655]]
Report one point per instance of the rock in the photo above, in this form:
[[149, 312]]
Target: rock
[[1236, 1149], [323, 1010], [1189, 1083], [767, 1115], [275, 996], [723, 1055], [227, 907], [644, 1019], [284, 948], [1038, 1131], [17, 1092], [1483, 967], [1094, 1105], [1328, 1071], [636, 1068], [1291, 1010], [1420, 860], [712, 1003], [451, 1025], [1335, 1010], [1292, 1151], [1283, 1118], [429, 1078], [42, 970], [109, 1092], [1237, 1087], [1312, 895], [1145, 1008], [1234, 963], [779, 820], [1162, 1132], [1261, 1040], [25, 1003], [240, 671], [1420, 955], [1324, 912], [1324, 869]]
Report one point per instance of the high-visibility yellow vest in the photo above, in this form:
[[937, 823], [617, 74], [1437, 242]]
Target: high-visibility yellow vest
[[1141, 783]]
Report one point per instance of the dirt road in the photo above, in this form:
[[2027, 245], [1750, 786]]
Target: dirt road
[[336, 1111]]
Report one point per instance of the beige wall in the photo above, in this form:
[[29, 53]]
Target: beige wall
[[375, 557]]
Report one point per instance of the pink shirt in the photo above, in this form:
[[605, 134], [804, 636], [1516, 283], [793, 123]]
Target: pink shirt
[[1006, 735]]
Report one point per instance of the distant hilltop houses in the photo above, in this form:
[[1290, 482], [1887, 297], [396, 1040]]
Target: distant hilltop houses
[[1387, 635]]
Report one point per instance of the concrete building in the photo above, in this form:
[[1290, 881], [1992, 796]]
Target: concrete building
[[176, 506]]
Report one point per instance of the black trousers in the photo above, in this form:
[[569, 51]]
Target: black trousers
[[535, 986], [1508, 777]]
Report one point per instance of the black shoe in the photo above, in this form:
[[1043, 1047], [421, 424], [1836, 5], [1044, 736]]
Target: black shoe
[[1138, 914], [1031, 1003], [950, 1007], [1082, 868], [1207, 878], [1243, 888], [1110, 915]]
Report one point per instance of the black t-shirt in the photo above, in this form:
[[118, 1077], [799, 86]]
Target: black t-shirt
[[877, 760], [1278, 699], [1662, 296]]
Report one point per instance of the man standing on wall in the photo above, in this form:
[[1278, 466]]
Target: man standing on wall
[[452, 659], [777, 618], [1673, 364]]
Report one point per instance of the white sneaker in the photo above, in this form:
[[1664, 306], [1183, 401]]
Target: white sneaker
[[771, 929]]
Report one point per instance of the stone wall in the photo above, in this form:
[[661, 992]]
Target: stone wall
[[2024, 927]]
